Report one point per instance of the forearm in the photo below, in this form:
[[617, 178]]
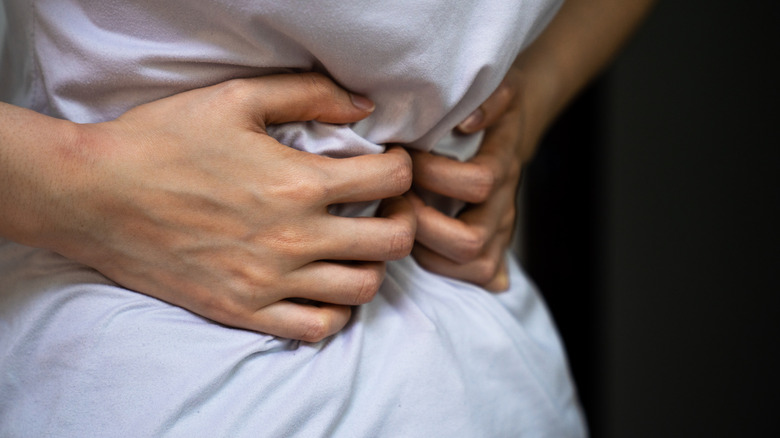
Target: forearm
[[579, 42], [36, 153], [187, 199]]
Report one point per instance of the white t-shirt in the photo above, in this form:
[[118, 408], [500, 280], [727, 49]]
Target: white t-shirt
[[429, 356]]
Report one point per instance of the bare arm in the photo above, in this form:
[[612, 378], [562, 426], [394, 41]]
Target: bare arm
[[579, 42], [187, 199], [34, 151]]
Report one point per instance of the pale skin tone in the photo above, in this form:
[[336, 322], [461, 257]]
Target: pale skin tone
[[578, 43], [188, 200]]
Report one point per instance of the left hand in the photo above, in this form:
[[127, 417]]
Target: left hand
[[472, 246]]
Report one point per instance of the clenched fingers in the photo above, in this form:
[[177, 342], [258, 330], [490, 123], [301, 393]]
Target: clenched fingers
[[368, 177], [471, 181], [466, 237], [305, 322], [346, 283], [387, 237], [487, 270]]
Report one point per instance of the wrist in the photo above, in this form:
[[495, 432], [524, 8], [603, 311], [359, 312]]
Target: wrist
[[54, 185], [27, 168], [42, 171], [73, 187]]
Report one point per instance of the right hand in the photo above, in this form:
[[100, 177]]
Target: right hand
[[187, 199]]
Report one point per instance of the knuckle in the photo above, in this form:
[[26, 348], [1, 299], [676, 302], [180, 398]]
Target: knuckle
[[288, 241], [224, 309], [234, 90], [310, 188], [505, 93], [367, 287], [401, 241], [472, 245], [402, 174], [314, 188], [314, 328], [248, 287], [318, 85], [485, 270], [483, 184]]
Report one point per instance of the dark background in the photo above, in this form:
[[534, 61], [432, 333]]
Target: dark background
[[650, 223], [651, 218]]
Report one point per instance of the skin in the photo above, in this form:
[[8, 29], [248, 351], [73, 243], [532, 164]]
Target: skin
[[188, 199], [573, 49]]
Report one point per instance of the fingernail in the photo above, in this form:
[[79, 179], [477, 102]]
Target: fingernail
[[472, 121], [362, 103]]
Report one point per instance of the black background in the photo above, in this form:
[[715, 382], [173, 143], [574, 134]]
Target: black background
[[650, 222]]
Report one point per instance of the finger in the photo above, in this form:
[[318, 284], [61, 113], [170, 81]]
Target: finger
[[493, 199], [475, 180], [389, 237], [483, 271], [471, 181], [500, 282], [336, 283], [501, 141], [466, 237], [448, 236], [367, 177], [305, 322], [286, 98], [491, 110]]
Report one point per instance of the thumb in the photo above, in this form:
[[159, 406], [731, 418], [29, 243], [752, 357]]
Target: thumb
[[302, 97]]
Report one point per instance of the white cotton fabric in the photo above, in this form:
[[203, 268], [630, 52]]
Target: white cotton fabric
[[429, 357]]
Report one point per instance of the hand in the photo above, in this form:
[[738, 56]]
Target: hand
[[187, 199], [472, 246]]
